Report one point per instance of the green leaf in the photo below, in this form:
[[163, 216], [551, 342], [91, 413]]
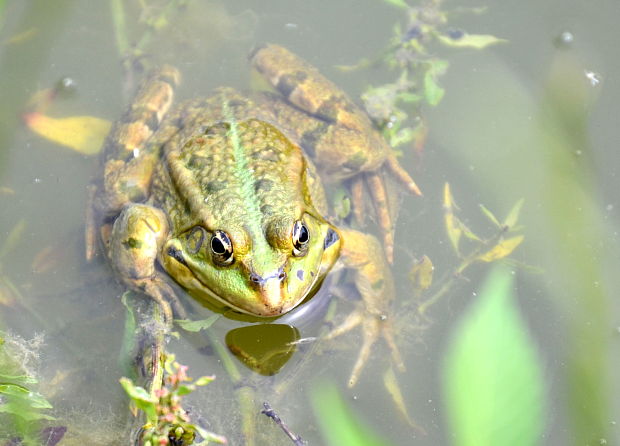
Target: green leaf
[[452, 223], [21, 411], [393, 388], [338, 424], [493, 383], [490, 216], [513, 215], [184, 389], [21, 379], [432, 91], [397, 3], [209, 436], [194, 326], [477, 41], [35, 400], [502, 249], [204, 380], [14, 237], [401, 137], [141, 398]]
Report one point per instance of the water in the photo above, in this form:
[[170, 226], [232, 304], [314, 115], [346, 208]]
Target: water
[[522, 119]]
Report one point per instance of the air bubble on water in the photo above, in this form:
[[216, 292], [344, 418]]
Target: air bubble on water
[[565, 39], [37, 180], [609, 207]]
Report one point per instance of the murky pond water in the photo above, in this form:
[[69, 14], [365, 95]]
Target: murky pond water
[[533, 118]]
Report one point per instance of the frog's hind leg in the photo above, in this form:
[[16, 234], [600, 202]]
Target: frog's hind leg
[[362, 253], [129, 154]]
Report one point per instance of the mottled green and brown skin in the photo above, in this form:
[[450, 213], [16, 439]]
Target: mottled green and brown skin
[[219, 193]]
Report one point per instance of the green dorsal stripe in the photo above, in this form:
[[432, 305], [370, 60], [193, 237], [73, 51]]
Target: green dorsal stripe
[[246, 189]]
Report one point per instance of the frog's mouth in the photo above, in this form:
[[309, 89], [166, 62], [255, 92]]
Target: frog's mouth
[[272, 295]]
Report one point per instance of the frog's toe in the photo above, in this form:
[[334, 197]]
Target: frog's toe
[[379, 195], [401, 175], [370, 329], [373, 327]]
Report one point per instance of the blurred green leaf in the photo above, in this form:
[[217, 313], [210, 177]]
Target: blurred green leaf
[[194, 326], [421, 274], [401, 137], [13, 238], [493, 384], [398, 3], [22, 411], [490, 216], [502, 249], [35, 400], [22, 379], [453, 224], [391, 385], [432, 91], [204, 380], [141, 398], [513, 215], [477, 41], [338, 424]]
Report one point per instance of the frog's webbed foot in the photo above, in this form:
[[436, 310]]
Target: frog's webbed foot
[[373, 327], [137, 236], [373, 280]]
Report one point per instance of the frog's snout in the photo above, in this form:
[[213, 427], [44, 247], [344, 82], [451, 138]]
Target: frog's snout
[[271, 291]]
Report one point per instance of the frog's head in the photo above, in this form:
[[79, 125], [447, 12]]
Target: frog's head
[[265, 271]]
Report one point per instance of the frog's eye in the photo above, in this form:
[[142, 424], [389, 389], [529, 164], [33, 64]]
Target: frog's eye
[[301, 237], [221, 248]]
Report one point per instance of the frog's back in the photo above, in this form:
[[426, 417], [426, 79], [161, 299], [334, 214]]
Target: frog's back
[[225, 165]]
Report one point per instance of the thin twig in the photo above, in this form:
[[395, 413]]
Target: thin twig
[[268, 411]]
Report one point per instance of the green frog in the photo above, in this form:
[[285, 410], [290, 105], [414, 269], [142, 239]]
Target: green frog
[[225, 196]]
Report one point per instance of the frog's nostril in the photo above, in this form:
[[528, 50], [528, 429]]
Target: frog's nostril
[[255, 278], [281, 276]]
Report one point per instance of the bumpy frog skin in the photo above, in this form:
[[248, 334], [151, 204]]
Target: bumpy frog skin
[[219, 193]]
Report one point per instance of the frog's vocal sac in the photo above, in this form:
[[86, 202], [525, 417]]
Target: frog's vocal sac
[[225, 194]]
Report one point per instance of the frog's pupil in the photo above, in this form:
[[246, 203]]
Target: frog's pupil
[[217, 246], [303, 234]]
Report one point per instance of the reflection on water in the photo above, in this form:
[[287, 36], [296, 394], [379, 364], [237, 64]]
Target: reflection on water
[[492, 138]]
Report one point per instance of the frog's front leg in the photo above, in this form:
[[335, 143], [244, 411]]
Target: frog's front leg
[[362, 253], [137, 237]]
